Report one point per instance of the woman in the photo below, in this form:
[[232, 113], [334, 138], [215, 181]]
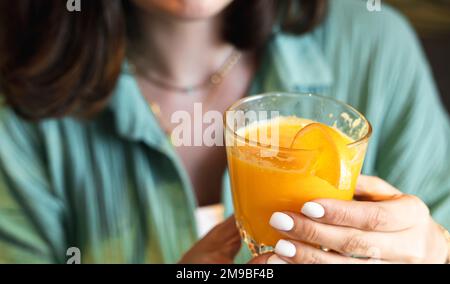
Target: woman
[[84, 161]]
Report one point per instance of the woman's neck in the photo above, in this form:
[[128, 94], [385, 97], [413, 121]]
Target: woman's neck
[[179, 51]]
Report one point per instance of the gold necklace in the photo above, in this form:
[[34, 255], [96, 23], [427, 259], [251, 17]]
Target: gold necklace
[[213, 81]]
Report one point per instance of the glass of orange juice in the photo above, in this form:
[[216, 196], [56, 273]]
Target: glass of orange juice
[[286, 149]]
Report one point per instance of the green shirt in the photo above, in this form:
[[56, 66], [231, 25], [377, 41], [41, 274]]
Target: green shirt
[[114, 187]]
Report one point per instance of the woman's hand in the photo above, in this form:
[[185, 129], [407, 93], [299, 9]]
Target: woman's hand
[[219, 246], [387, 227]]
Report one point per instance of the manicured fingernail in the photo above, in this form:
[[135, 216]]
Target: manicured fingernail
[[313, 210], [285, 248], [281, 221], [275, 259]]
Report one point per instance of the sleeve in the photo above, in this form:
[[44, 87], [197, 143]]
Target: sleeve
[[413, 151], [31, 227]]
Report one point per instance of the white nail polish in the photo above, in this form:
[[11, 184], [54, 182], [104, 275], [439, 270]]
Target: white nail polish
[[313, 210], [285, 248], [275, 259], [281, 221]]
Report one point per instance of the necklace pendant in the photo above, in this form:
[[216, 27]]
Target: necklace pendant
[[216, 79], [155, 109]]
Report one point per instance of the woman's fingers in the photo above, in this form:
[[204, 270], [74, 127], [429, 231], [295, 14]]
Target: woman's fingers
[[296, 252], [395, 228], [293, 252], [384, 216], [348, 241], [394, 211]]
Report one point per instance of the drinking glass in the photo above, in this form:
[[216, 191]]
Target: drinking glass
[[267, 176]]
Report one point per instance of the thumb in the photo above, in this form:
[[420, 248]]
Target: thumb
[[370, 188]]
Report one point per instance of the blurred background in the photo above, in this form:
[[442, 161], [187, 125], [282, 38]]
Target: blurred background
[[431, 18]]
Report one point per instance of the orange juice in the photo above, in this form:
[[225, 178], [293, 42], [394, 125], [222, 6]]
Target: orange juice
[[309, 161]]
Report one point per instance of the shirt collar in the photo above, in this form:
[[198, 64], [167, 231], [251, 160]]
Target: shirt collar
[[132, 115]]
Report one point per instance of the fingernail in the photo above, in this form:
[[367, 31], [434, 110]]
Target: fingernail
[[313, 210], [285, 248], [281, 221], [275, 259]]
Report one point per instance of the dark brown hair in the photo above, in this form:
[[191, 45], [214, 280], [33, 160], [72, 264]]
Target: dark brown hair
[[55, 63]]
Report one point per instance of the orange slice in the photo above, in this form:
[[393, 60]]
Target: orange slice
[[316, 136]]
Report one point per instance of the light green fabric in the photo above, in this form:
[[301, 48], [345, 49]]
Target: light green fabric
[[115, 188]]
